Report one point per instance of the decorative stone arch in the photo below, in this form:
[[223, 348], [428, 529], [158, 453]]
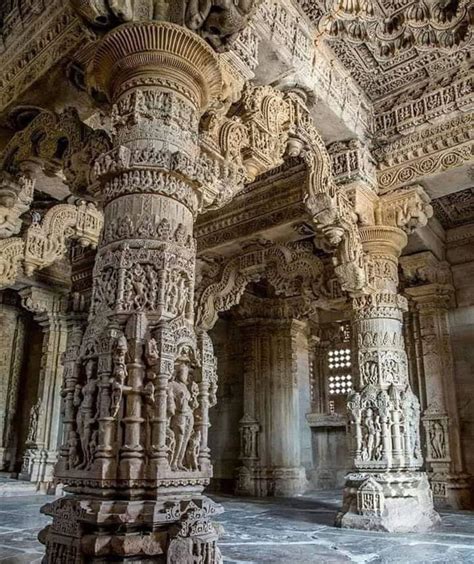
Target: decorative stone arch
[[292, 269], [279, 126], [52, 141]]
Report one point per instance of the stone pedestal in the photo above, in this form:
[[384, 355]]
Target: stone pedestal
[[270, 429], [387, 489], [140, 381]]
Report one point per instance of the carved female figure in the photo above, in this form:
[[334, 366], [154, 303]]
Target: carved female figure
[[85, 416], [438, 444], [119, 375], [181, 404], [369, 435]]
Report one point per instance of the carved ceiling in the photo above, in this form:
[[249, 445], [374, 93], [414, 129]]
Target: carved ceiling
[[455, 209], [392, 45]]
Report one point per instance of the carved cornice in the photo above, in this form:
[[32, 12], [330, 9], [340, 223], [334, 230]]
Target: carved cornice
[[428, 107], [279, 23], [424, 268], [34, 41]]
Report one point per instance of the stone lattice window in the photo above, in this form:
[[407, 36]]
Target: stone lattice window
[[339, 371]]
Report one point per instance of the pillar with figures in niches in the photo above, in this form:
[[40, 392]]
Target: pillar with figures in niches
[[141, 379], [276, 368], [386, 489], [440, 417], [44, 424]]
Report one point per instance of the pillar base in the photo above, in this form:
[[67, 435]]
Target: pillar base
[[172, 530], [392, 502], [280, 482], [453, 491], [38, 467]]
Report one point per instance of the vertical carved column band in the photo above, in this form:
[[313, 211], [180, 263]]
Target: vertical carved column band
[[386, 490], [449, 482], [137, 394]]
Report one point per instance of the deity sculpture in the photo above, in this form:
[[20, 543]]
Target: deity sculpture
[[119, 375], [182, 401], [437, 440], [86, 415], [33, 427]]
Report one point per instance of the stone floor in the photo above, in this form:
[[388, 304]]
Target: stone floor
[[275, 530]]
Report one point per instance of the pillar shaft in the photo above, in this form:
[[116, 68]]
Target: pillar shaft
[[440, 417], [270, 428], [140, 381], [386, 489], [43, 432]]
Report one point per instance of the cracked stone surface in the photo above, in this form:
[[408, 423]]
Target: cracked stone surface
[[276, 530]]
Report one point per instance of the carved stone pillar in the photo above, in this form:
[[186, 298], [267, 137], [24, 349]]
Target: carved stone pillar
[[270, 429], [43, 432], [432, 300], [139, 386], [12, 341], [386, 489]]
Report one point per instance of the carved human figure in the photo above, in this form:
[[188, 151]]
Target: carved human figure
[[73, 450], [369, 432], [33, 424], [119, 375], [181, 404], [247, 442], [437, 440], [85, 399], [193, 449]]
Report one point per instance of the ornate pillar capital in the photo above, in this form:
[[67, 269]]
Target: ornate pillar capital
[[128, 57]]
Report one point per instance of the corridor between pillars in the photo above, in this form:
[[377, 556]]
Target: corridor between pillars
[[386, 489], [140, 382]]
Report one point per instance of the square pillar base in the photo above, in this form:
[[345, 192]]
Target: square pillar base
[[399, 502], [171, 529]]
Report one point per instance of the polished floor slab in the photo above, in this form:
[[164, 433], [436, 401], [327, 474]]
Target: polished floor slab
[[275, 530]]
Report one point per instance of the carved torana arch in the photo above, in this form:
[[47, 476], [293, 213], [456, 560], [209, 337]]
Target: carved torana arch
[[292, 269]]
